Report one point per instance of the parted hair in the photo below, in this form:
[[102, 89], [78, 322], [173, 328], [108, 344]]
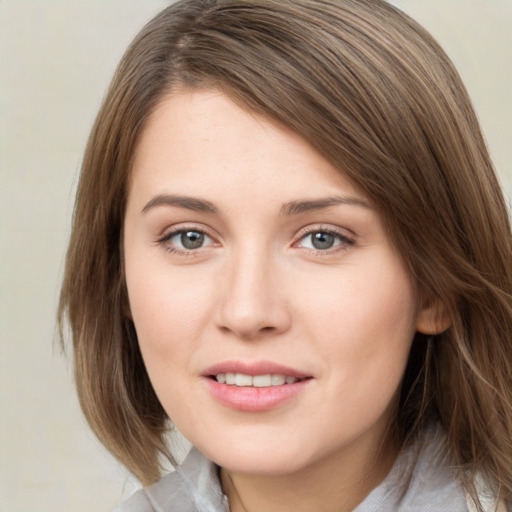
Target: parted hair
[[377, 97]]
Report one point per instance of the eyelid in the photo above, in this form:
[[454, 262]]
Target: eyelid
[[176, 229], [346, 239]]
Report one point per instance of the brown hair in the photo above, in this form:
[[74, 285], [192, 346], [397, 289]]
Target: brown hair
[[375, 95]]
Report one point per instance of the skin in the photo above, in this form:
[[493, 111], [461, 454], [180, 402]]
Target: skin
[[258, 289]]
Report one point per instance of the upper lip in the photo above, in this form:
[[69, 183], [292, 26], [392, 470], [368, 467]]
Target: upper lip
[[254, 368]]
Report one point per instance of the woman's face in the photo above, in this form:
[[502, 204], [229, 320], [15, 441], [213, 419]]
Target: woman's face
[[250, 259]]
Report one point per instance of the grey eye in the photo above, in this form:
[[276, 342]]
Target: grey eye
[[187, 240], [321, 240], [191, 239], [324, 240]]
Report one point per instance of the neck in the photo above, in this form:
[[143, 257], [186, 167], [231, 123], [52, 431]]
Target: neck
[[337, 483]]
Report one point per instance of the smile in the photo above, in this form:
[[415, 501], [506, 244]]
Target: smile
[[257, 381], [256, 386]]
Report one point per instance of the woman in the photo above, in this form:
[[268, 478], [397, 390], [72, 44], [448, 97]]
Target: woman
[[289, 240]]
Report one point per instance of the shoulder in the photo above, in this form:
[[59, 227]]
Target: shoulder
[[138, 502], [422, 478], [193, 487], [489, 502], [169, 491]]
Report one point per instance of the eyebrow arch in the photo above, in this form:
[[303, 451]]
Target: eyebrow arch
[[297, 207], [189, 203]]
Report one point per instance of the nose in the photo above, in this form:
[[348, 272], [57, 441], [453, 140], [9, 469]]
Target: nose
[[253, 304]]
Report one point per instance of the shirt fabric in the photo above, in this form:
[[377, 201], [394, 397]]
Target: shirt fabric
[[421, 480]]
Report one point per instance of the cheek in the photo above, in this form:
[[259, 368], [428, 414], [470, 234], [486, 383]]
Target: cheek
[[364, 327], [364, 322], [168, 312], [361, 299]]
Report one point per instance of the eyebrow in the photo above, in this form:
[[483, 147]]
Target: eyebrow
[[297, 207], [188, 203], [288, 209]]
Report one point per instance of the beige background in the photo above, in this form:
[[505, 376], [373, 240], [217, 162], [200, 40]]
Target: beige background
[[56, 58]]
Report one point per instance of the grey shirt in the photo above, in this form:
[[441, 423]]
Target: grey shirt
[[421, 480]]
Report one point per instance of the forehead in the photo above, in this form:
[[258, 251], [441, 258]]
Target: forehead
[[201, 142]]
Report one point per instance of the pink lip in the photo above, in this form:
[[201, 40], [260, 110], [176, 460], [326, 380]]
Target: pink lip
[[252, 399], [254, 368]]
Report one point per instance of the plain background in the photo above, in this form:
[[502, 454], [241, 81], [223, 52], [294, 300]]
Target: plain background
[[56, 59]]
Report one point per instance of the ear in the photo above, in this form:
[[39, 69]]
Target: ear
[[433, 318]]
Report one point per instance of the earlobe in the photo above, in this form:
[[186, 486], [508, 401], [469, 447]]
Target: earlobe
[[433, 318]]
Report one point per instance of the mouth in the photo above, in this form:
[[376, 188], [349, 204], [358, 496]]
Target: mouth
[[258, 381], [255, 387]]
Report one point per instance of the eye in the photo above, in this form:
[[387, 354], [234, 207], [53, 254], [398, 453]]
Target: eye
[[186, 240], [324, 240]]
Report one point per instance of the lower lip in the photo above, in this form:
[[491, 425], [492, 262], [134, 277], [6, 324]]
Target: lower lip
[[252, 399]]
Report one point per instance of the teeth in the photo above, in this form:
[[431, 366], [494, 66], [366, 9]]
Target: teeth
[[243, 380], [257, 381], [262, 381], [278, 380]]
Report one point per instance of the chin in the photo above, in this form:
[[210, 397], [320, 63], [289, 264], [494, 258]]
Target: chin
[[280, 457]]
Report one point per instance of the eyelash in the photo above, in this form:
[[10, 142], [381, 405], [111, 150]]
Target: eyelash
[[344, 241], [164, 240]]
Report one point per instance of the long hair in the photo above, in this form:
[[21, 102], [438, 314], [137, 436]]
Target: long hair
[[379, 99]]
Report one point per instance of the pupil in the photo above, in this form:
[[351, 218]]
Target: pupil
[[192, 239], [322, 240]]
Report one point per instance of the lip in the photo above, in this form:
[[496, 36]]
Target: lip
[[254, 368], [253, 399]]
